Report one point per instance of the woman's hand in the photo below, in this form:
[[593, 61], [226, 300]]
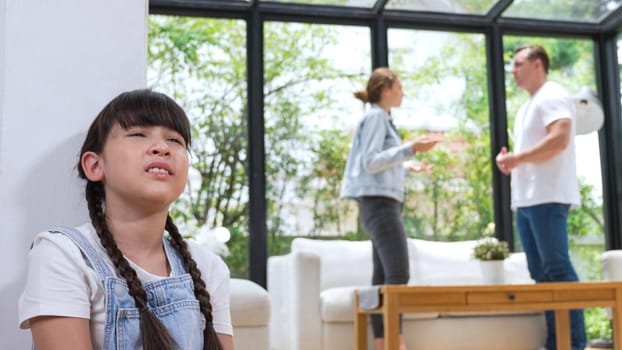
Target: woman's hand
[[426, 142], [420, 167]]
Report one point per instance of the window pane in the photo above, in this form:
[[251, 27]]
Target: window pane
[[445, 87], [311, 72], [572, 65], [563, 10], [201, 63], [477, 7], [353, 3]]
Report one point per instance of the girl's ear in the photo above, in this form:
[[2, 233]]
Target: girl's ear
[[92, 166]]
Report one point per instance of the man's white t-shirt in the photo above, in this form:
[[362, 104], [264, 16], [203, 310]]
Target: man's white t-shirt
[[555, 180], [60, 283]]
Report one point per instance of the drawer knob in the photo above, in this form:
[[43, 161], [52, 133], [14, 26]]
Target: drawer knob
[[511, 296]]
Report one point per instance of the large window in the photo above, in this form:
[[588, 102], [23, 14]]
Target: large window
[[202, 64], [311, 72], [440, 49], [563, 10], [445, 86]]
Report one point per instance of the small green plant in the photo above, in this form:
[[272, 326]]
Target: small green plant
[[489, 248]]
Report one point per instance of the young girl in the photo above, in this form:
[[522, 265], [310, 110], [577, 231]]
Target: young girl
[[375, 178], [118, 282]]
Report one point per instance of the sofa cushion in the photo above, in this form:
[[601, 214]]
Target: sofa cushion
[[516, 271], [342, 263], [443, 263], [452, 263], [337, 305]]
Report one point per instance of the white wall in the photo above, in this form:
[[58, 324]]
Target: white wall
[[3, 12], [60, 62]]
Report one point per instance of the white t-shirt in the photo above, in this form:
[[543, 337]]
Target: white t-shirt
[[555, 180], [60, 283]]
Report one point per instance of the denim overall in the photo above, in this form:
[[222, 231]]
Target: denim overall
[[171, 299]]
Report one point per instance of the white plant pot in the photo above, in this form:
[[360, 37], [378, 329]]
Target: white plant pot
[[492, 271]]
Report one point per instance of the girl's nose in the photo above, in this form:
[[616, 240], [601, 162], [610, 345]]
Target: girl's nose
[[160, 148]]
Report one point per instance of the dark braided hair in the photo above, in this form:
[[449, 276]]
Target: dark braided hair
[[143, 108], [199, 286]]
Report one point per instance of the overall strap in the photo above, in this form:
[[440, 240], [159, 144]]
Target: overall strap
[[92, 256], [174, 258]]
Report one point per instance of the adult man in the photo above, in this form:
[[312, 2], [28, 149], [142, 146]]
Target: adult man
[[544, 180]]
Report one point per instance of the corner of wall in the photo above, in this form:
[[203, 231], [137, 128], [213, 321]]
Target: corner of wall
[[3, 15], [60, 62]]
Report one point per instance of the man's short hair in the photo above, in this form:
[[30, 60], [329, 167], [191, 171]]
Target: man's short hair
[[536, 52]]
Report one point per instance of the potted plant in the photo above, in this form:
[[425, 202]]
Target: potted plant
[[491, 254]]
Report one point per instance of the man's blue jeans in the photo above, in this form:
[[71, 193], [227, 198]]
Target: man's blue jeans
[[544, 235]]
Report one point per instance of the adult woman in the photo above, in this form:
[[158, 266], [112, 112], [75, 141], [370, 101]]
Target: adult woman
[[375, 177]]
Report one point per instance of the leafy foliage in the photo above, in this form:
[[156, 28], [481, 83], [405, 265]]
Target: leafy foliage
[[302, 162], [490, 248], [454, 201], [564, 10], [597, 324], [202, 64], [188, 62]]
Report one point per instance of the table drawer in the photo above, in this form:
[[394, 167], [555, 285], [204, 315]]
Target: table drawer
[[508, 297], [429, 299]]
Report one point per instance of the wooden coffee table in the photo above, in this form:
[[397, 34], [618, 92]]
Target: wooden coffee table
[[558, 296]]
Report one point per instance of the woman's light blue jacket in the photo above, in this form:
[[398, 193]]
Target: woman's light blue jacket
[[375, 164]]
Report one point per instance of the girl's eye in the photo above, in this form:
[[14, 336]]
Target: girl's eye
[[136, 134], [176, 140]]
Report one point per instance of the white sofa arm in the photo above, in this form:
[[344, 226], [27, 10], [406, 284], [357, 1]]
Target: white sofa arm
[[294, 289], [612, 265], [250, 315]]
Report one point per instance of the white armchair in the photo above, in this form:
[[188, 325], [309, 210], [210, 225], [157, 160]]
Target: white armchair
[[300, 281], [250, 315], [612, 271], [294, 325], [612, 265]]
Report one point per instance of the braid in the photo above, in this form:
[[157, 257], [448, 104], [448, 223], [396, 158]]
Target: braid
[[210, 340], [153, 334]]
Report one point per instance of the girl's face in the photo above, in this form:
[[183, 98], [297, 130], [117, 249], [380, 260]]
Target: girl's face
[[394, 94], [143, 165]]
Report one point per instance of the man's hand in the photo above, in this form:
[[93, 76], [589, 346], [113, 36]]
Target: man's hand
[[506, 161]]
